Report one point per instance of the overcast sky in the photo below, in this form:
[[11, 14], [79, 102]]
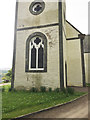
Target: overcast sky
[[76, 13]]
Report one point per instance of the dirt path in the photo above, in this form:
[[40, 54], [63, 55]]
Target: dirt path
[[76, 109]]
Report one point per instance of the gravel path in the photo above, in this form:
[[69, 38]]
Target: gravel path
[[5, 84]]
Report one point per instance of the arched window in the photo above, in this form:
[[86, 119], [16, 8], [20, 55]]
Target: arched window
[[36, 53]]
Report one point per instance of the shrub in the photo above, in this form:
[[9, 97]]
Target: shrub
[[70, 90], [50, 89], [6, 81], [33, 89], [64, 90], [88, 84], [43, 89], [57, 90]]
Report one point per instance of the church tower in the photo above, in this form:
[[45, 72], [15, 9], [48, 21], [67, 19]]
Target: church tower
[[40, 45]]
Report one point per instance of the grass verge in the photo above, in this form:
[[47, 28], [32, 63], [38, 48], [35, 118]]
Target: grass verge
[[17, 103]]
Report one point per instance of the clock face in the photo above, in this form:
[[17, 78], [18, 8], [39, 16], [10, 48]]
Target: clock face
[[37, 7]]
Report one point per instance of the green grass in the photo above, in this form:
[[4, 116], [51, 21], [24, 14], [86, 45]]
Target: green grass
[[23, 102]]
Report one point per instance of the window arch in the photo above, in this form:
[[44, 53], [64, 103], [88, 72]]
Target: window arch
[[36, 53]]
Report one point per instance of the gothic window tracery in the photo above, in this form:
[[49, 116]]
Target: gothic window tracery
[[37, 7], [36, 52]]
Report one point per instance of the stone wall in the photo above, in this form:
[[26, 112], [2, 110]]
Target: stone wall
[[74, 60], [50, 78], [87, 67], [74, 63], [26, 19]]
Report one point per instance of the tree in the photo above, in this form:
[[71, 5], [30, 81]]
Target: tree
[[8, 75]]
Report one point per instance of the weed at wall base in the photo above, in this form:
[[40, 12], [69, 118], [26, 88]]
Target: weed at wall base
[[43, 89], [33, 89]]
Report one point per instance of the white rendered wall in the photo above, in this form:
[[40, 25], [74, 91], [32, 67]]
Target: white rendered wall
[[50, 78]]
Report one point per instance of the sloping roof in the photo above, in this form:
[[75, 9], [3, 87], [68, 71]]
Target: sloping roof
[[71, 31], [86, 44], [73, 27]]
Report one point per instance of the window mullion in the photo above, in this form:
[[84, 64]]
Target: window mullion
[[36, 57]]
